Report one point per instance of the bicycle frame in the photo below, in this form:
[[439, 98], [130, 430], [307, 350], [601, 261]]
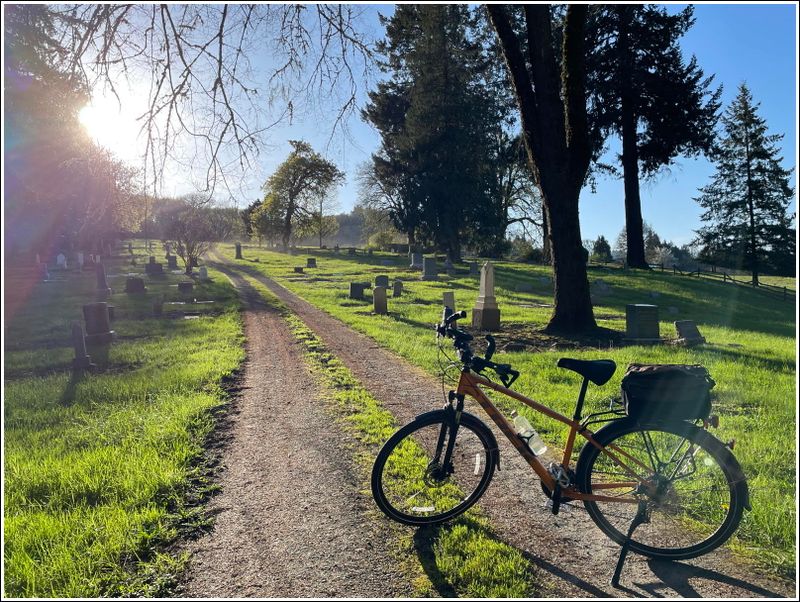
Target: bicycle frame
[[470, 383]]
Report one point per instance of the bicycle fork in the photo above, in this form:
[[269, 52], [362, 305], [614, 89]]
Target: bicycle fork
[[449, 426]]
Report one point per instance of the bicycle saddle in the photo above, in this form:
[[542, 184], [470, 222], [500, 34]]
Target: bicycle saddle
[[597, 371]]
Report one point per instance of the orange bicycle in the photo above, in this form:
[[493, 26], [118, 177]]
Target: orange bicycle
[[664, 488]]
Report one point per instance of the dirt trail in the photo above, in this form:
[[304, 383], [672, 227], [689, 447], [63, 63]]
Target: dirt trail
[[290, 521], [575, 559]]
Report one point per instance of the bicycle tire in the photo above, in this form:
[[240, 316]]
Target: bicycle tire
[[401, 473], [697, 508]]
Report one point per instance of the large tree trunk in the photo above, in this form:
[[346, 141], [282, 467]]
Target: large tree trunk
[[547, 254], [630, 152], [555, 132]]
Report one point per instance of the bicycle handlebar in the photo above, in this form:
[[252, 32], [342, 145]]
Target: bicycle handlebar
[[461, 341]]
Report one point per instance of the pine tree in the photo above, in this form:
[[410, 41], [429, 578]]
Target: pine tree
[[641, 88], [746, 204]]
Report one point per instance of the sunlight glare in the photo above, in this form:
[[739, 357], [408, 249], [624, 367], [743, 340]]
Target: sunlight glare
[[112, 126]]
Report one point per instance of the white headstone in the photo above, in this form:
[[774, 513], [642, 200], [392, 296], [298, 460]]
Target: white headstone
[[486, 298]]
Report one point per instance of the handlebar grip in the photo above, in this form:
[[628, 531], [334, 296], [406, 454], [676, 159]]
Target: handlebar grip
[[455, 316]]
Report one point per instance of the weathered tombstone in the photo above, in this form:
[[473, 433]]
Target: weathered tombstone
[[351, 250], [382, 280], [203, 273], [130, 248], [473, 268], [416, 261], [449, 268], [379, 300], [172, 262], [429, 271], [486, 314], [152, 268], [356, 290], [82, 361], [688, 334], [103, 290], [449, 300], [397, 288], [98, 324], [61, 261], [298, 270], [185, 287], [641, 322], [238, 250], [311, 262], [134, 286], [158, 305]]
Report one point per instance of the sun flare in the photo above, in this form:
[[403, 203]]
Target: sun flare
[[111, 126]]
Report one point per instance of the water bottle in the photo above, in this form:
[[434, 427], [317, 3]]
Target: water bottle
[[529, 434]]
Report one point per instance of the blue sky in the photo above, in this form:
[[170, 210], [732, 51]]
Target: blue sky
[[753, 43]]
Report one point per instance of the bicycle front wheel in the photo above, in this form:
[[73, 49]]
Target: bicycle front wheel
[[694, 489], [413, 482]]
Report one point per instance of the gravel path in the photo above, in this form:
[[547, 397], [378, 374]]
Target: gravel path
[[290, 521], [575, 559]]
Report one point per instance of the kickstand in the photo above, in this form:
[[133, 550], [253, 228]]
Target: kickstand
[[641, 517]]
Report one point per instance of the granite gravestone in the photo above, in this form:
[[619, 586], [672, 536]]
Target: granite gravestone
[[486, 313]]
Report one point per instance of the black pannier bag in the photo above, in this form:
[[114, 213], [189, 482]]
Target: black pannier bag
[[667, 392]]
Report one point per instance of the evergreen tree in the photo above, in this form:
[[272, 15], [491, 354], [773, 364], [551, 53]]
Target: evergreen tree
[[439, 116], [641, 88], [746, 204], [601, 250]]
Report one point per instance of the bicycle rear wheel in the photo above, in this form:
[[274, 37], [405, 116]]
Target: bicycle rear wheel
[[413, 484], [694, 487]]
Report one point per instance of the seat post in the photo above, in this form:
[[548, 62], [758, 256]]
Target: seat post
[[581, 397]]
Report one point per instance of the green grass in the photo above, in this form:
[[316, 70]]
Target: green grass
[[99, 467], [751, 353], [464, 556]]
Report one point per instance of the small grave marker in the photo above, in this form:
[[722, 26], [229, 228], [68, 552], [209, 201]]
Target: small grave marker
[[203, 272], [311, 262], [98, 324], [429, 271], [172, 262], [449, 267], [238, 250], [382, 280], [356, 290], [298, 270], [185, 287], [449, 300], [103, 290], [379, 304], [416, 261], [135, 286], [397, 288], [641, 322], [688, 334], [82, 361]]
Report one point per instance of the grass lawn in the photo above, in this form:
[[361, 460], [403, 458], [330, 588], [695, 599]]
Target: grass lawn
[[98, 467], [751, 353]]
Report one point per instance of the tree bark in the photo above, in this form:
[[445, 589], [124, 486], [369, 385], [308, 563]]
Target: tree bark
[[556, 138], [635, 254]]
